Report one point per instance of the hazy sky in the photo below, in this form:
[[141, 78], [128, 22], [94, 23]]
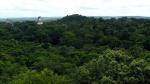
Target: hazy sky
[[31, 8]]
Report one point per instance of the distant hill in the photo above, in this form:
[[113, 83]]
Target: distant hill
[[117, 17], [29, 19], [74, 17]]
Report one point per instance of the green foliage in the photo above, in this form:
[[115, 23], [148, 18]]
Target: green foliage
[[107, 80], [117, 65], [76, 50], [44, 77]]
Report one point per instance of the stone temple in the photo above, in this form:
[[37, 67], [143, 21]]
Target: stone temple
[[39, 21]]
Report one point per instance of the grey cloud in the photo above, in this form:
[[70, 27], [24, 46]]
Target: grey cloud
[[88, 8], [140, 6], [24, 9]]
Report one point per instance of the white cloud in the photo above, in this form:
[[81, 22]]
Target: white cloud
[[30, 8]]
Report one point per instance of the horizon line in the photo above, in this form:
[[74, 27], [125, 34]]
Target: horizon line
[[72, 14]]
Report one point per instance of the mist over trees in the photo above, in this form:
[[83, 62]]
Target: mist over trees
[[76, 50]]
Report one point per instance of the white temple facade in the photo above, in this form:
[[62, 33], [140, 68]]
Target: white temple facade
[[39, 21]]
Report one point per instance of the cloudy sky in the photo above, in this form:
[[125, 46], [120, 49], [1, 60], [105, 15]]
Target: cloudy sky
[[49, 8]]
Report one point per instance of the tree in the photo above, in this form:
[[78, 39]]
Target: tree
[[44, 77]]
